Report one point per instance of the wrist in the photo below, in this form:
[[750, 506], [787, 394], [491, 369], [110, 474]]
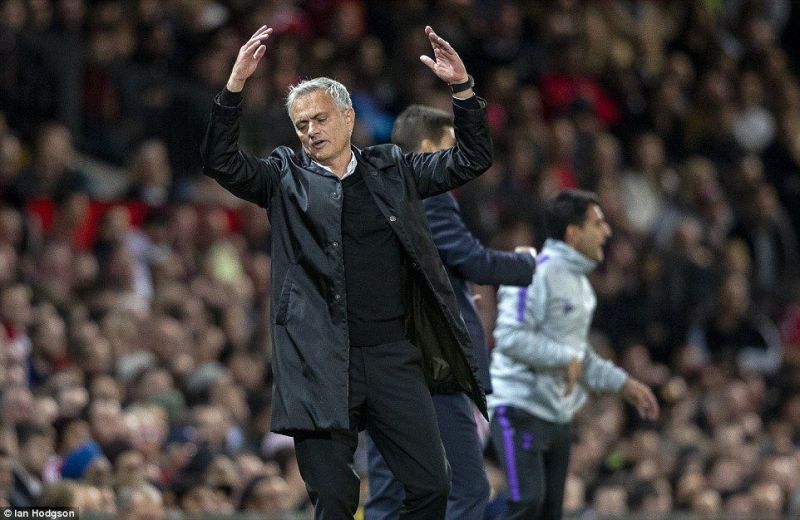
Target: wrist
[[234, 85], [463, 88]]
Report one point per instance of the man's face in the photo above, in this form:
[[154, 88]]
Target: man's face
[[591, 236], [323, 129]]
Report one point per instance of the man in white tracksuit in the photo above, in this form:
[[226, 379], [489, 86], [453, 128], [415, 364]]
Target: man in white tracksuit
[[542, 364]]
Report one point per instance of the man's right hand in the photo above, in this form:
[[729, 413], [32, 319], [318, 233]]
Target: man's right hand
[[249, 55], [641, 397], [525, 249], [573, 374]]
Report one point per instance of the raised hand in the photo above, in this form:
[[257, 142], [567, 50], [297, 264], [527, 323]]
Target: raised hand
[[447, 64], [249, 55]]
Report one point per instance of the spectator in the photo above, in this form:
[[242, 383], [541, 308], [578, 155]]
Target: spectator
[[35, 451], [54, 169], [734, 335], [141, 501]]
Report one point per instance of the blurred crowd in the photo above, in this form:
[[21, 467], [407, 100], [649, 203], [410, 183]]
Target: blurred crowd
[[134, 293]]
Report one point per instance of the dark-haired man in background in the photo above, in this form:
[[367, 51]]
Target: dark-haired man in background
[[422, 129], [542, 364]]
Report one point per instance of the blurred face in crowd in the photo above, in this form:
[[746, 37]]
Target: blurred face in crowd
[[200, 499], [322, 127], [130, 468], [35, 452], [17, 404], [590, 237], [212, 424], [611, 501], [144, 505], [106, 420], [271, 496], [734, 295], [15, 305]]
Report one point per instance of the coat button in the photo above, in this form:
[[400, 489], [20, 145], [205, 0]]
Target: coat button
[[392, 218], [414, 265], [335, 243], [337, 297], [335, 195]]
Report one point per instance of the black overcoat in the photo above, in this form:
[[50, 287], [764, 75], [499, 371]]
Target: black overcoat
[[309, 303]]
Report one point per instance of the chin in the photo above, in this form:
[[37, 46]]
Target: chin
[[318, 156]]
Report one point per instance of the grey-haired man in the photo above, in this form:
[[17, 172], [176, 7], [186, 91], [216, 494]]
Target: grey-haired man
[[365, 321]]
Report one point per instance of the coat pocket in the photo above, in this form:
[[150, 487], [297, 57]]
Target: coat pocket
[[282, 305]]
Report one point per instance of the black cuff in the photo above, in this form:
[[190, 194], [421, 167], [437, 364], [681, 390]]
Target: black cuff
[[471, 103], [230, 99]]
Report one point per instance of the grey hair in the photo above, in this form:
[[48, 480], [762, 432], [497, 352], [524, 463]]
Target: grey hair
[[336, 90]]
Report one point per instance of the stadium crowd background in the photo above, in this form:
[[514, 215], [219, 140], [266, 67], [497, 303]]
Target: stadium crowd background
[[134, 292]]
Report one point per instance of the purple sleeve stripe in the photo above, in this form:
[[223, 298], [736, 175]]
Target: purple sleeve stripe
[[521, 302], [542, 259]]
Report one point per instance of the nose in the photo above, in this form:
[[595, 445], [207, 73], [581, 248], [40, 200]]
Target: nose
[[312, 128]]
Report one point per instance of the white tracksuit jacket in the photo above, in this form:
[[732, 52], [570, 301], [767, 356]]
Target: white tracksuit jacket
[[539, 329]]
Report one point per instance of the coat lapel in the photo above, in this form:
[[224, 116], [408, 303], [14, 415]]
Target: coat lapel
[[389, 201]]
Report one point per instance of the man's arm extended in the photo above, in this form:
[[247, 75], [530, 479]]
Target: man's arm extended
[[465, 255], [245, 176], [441, 171]]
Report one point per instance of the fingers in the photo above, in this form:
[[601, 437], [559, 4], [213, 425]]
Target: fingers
[[263, 30], [260, 36], [570, 382], [254, 51], [250, 48], [428, 61], [652, 406], [254, 47], [647, 405], [438, 42]]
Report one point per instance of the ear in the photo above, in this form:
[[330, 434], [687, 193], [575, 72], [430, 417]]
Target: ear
[[570, 234], [350, 117]]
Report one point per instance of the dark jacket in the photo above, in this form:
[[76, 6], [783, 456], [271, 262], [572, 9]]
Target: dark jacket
[[309, 313], [467, 260]]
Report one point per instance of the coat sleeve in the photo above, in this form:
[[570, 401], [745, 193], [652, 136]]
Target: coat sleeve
[[601, 375], [465, 255], [518, 334], [439, 172], [248, 177]]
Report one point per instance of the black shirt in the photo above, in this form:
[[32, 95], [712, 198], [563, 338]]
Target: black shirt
[[374, 267]]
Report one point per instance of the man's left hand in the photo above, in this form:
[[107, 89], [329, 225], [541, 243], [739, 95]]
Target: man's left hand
[[641, 397], [447, 64]]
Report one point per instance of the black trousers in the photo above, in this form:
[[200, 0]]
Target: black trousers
[[535, 457], [388, 397]]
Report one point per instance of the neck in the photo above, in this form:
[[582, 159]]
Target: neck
[[339, 164]]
